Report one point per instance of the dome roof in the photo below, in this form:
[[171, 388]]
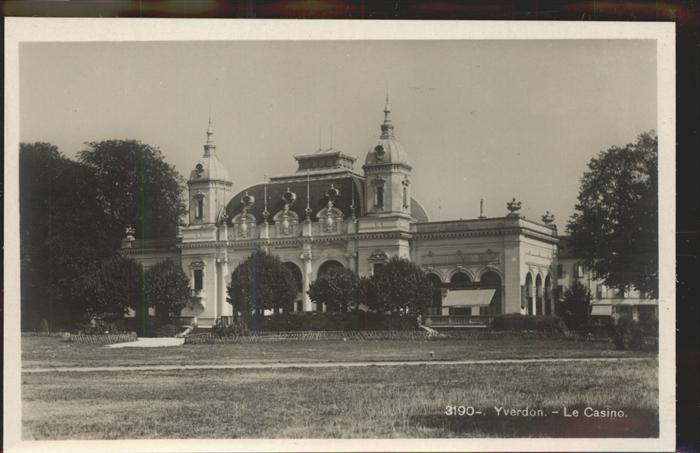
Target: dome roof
[[387, 150], [209, 167]]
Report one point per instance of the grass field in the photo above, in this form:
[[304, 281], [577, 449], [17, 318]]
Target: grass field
[[50, 352], [399, 401]]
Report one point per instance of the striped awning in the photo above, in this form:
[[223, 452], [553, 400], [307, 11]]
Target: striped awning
[[468, 298], [601, 310]]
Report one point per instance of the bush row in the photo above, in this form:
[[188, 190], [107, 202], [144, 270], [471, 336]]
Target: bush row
[[343, 321], [100, 339], [517, 322], [353, 335], [43, 334]]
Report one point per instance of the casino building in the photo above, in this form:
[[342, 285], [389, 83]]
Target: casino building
[[329, 213]]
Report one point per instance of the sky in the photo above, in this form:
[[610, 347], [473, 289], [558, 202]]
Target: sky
[[478, 119]]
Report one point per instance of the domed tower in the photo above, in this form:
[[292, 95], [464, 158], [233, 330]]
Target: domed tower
[[209, 186], [387, 174]]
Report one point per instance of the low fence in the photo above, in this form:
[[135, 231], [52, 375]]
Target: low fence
[[99, 339], [263, 337]]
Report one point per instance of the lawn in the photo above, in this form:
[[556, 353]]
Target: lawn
[[51, 352], [371, 402]]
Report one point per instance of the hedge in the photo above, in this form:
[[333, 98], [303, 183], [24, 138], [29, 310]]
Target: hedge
[[353, 335], [43, 334], [517, 322], [330, 321], [100, 339]]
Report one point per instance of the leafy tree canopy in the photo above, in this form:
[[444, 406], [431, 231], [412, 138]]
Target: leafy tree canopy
[[614, 228], [401, 285], [338, 288], [136, 187], [166, 288], [63, 235], [261, 282]]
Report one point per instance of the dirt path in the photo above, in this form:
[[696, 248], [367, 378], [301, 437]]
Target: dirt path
[[149, 343], [258, 366]]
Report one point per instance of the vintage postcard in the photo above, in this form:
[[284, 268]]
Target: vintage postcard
[[244, 235]]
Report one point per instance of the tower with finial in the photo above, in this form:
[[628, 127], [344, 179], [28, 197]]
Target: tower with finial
[[387, 174], [209, 185]]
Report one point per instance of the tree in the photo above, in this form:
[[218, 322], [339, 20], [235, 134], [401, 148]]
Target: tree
[[614, 228], [118, 286], [261, 282], [136, 187], [63, 236], [400, 286], [166, 288], [338, 288], [575, 306]]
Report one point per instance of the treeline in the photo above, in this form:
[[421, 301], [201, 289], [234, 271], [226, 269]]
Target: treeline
[[73, 216]]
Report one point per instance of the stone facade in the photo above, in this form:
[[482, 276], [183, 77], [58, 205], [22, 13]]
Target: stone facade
[[329, 214]]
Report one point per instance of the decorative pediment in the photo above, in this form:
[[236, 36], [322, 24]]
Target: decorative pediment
[[244, 226], [286, 222], [378, 256], [330, 220], [197, 264]]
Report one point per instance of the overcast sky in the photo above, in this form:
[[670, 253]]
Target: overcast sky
[[479, 119]]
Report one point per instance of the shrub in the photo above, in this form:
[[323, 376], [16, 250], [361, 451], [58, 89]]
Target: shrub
[[166, 288], [517, 322], [338, 289], [167, 330], [100, 327], [630, 334], [115, 287], [235, 329], [315, 321], [575, 306], [400, 286], [261, 282]]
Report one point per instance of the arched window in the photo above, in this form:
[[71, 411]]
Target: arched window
[[199, 206], [460, 279], [405, 197], [379, 196], [198, 279]]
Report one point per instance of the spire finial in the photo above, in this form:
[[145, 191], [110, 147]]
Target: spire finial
[[481, 209], [209, 146], [387, 108], [308, 198], [387, 127]]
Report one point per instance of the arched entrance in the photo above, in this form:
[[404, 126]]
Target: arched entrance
[[491, 280], [528, 294], [325, 268], [435, 308], [460, 280], [299, 283]]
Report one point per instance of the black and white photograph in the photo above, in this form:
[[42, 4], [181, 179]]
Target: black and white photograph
[[246, 236]]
